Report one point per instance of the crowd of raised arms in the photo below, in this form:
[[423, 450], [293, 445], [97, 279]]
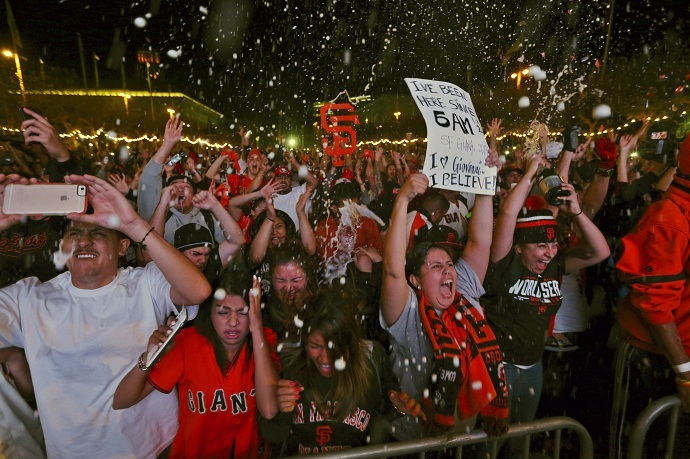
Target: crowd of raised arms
[[335, 301]]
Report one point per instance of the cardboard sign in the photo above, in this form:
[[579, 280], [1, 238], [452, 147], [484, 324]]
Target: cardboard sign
[[456, 148], [344, 135]]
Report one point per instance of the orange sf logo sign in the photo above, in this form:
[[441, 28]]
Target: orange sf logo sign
[[344, 136]]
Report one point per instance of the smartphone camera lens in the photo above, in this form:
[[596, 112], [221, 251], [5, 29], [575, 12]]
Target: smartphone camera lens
[[81, 190]]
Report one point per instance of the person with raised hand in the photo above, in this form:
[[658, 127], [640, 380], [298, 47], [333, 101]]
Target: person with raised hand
[[42, 137], [81, 329], [151, 181], [334, 385], [435, 289], [523, 283], [224, 368]]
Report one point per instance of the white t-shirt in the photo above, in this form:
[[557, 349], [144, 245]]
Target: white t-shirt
[[456, 218], [79, 345], [287, 202]]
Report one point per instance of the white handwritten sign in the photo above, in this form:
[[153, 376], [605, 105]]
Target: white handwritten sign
[[456, 149]]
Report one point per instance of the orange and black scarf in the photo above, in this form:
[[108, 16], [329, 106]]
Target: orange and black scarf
[[467, 367]]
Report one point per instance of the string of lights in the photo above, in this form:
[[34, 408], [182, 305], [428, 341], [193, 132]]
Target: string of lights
[[111, 136]]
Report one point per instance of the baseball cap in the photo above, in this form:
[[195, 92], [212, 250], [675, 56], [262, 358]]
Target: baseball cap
[[193, 235], [281, 170], [254, 152]]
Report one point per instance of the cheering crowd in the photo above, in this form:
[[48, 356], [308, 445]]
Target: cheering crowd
[[335, 301]]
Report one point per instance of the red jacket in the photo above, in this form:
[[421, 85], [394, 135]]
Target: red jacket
[[656, 263]]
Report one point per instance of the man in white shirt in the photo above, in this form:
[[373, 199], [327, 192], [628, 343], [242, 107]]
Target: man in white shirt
[[82, 330]]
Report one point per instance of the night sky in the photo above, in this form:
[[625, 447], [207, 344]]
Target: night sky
[[254, 59]]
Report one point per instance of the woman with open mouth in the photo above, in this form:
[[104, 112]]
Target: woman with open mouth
[[335, 385], [225, 371], [443, 350], [524, 283]]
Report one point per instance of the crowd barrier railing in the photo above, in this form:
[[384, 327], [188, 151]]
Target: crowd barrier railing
[[646, 419], [458, 440]]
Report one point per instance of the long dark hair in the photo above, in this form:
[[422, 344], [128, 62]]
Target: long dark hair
[[238, 283], [334, 314]]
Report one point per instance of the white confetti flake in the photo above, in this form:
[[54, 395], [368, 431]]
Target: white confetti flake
[[113, 221], [523, 102], [140, 22], [601, 111], [340, 364], [219, 294], [298, 322]]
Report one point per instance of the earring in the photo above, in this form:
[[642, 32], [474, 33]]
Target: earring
[[419, 287]]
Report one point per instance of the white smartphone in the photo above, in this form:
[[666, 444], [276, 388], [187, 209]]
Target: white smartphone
[[44, 199], [154, 353]]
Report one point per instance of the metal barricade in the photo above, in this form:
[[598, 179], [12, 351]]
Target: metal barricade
[[647, 418], [458, 440]]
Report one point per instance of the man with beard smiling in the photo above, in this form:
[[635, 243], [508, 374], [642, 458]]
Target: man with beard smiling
[[82, 330]]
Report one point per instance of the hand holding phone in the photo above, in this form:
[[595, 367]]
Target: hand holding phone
[[26, 116], [176, 326], [44, 199]]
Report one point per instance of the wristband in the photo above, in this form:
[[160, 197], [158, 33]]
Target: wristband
[[682, 368], [141, 364], [605, 172], [141, 243], [575, 215], [270, 219]]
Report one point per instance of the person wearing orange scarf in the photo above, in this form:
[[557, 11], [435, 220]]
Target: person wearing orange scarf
[[443, 350]]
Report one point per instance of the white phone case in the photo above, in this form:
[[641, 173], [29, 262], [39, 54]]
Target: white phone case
[[155, 352], [44, 199]]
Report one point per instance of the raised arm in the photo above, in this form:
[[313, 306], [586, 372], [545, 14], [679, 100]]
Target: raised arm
[[234, 238], [172, 135], [309, 177], [40, 130], [570, 146], [306, 232], [593, 247], [111, 210], [259, 245], [477, 249], [502, 241], [236, 202], [399, 174], [212, 171], [394, 289], [596, 192], [150, 184], [265, 373]]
